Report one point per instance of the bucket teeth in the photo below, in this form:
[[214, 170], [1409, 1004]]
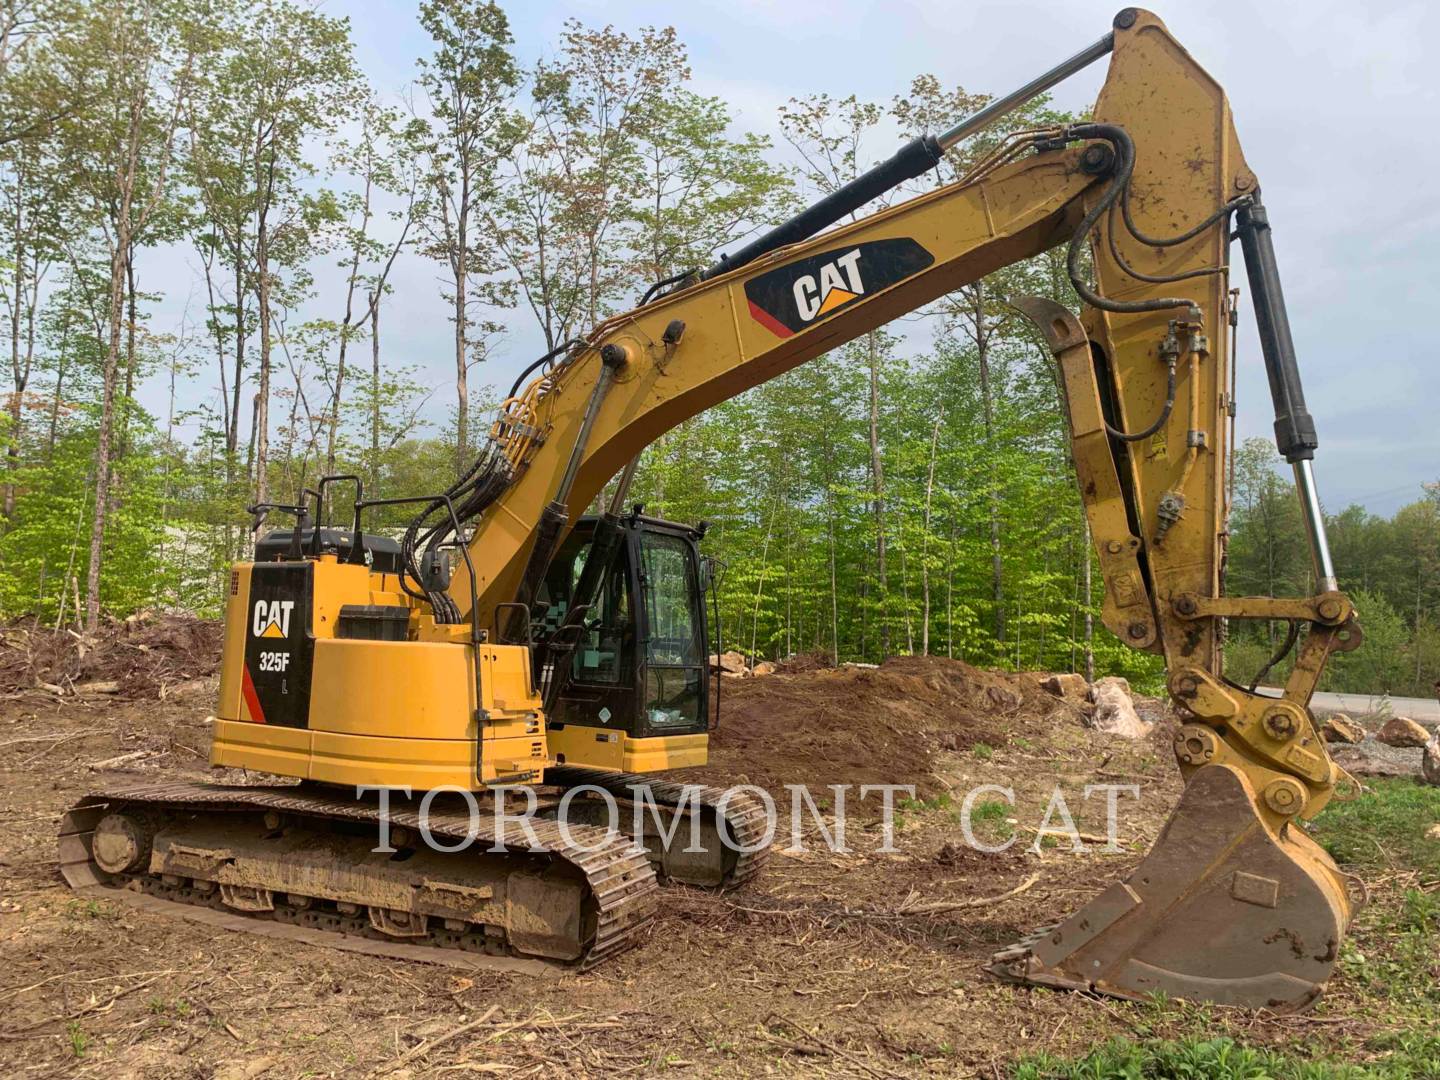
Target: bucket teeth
[[1224, 908]]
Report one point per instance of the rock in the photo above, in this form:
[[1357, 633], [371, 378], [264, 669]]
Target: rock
[[1070, 687], [1357, 762], [764, 667], [1115, 711], [1433, 833], [1403, 732], [949, 741], [1003, 698], [1341, 729], [729, 663], [1431, 765]]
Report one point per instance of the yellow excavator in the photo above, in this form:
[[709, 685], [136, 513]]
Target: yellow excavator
[[509, 642]]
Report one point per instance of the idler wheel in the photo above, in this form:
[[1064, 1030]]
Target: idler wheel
[[122, 842]]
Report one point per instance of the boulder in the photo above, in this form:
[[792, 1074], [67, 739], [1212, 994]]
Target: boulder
[[1403, 732], [1341, 729], [1070, 687], [1115, 711], [1431, 765], [764, 667], [729, 663], [1003, 698], [1358, 762]]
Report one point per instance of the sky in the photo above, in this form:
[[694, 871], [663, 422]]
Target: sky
[[1334, 104]]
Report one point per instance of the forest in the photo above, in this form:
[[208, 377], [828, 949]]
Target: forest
[[909, 493]]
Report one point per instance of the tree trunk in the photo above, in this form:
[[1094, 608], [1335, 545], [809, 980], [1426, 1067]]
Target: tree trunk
[[877, 475], [334, 417], [950, 594], [12, 451], [925, 538], [375, 393], [232, 435], [118, 260], [345, 328], [834, 590], [123, 448], [462, 374], [1089, 599], [262, 394], [987, 398]]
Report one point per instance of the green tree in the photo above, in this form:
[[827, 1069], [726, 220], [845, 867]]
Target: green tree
[[118, 151], [469, 81]]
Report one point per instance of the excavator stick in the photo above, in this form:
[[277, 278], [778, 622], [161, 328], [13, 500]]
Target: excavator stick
[[1234, 903]]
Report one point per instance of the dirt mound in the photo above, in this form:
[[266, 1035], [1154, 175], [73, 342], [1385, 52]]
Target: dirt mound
[[134, 658], [803, 663], [872, 725]]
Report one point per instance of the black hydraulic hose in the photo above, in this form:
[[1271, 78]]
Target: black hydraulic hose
[[1124, 166], [1153, 279], [1118, 190], [1188, 234], [520, 379], [1285, 646], [674, 279], [1125, 436]]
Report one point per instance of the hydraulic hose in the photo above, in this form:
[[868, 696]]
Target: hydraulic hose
[[1165, 410], [1118, 190]]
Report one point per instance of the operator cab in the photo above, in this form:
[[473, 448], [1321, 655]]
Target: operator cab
[[639, 664]]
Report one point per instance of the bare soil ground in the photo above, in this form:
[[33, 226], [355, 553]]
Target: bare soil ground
[[822, 966]]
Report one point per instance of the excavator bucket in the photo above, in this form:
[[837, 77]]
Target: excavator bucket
[[1224, 908]]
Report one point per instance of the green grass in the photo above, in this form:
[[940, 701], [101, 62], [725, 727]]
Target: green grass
[[983, 751], [994, 810], [1390, 966], [1384, 828], [90, 909], [1408, 1056], [1393, 956], [939, 802]]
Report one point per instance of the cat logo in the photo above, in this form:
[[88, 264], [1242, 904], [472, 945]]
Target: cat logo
[[272, 618], [793, 297], [839, 283]]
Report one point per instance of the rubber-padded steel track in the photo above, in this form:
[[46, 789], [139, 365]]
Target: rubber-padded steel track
[[620, 876], [745, 816]]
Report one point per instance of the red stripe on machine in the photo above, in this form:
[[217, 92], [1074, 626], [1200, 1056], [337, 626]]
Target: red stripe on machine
[[252, 699], [765, 319]]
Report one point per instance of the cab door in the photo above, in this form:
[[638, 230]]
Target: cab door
[[673, 686], [599, 685]]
